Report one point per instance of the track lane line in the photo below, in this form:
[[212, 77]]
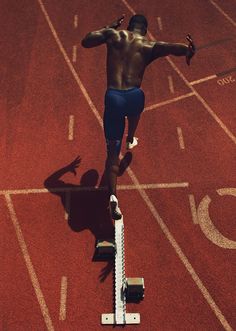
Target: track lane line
[[167, 102], [223, 13], [29, 264], [203, 80], [95, 188], [142, 192], [198, 96]]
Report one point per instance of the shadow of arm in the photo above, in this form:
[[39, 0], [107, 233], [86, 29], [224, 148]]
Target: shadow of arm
[[54, 180]]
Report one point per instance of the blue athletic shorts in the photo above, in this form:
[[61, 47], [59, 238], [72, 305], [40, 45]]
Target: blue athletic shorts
[[118, 105]]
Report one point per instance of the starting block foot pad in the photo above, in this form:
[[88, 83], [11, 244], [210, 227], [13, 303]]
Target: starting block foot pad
[[105, 250], [130, 318], [134, 289]]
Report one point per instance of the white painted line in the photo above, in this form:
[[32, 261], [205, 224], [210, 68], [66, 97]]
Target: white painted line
[[76, 21], [167, 102], [203, 80], [171, 85], [204, 103], [143, 194], [159, 23], [70, 65], [193, 208], [29, 265], [62, 314], [67, 205], [95, 188], [152, 186], [181, 138], [74, 53], [71, 127], [223, 13]]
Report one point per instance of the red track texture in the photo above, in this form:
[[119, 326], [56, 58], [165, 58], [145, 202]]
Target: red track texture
[[189, 268]]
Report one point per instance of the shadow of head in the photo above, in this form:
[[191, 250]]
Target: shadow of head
[[89, 178]]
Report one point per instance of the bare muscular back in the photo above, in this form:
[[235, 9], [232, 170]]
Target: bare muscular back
[[128, 54]]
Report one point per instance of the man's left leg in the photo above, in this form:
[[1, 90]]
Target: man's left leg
[[132, 141], [112, 171], [112, 166], [135, 106]]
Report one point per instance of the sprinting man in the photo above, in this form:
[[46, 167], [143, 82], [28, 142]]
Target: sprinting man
[[129, 52]]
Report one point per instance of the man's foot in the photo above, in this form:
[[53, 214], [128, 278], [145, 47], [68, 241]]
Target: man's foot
[[130, 145], [114, 209]]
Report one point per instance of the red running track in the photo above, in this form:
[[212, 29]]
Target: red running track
[[186, 254]]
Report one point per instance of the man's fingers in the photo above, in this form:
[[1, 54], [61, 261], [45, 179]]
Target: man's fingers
[[78, 159], [189, 38], [191, 43], [121, 19]]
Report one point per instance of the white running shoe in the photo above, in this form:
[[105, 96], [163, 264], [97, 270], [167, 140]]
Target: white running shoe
[[130, 145], [114, 209]]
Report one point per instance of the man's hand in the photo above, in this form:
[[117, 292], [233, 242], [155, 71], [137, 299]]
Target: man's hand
[[73, 165], [117, 23], [191, 49]]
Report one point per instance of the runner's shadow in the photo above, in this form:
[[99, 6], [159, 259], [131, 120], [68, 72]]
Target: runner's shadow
[[86, 204]]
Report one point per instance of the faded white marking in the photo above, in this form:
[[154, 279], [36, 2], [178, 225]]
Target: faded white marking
[[159, 21], [63, 297], [171, 85], [193, 208], [71, 127], [76, 21], [181, 138], [74, 53]]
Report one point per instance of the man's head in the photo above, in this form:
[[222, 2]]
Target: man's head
[[138, 23]]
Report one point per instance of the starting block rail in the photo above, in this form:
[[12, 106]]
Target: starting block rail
[[120, 316]]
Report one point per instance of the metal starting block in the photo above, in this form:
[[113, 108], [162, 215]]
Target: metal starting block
[[105, 248], [134, 288], [122, 286]]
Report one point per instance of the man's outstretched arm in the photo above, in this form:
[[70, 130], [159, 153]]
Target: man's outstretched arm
[[161, 49], [99, 37]]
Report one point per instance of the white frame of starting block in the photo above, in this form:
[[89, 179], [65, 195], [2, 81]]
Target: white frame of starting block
[[130, 318], [120, 317]]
